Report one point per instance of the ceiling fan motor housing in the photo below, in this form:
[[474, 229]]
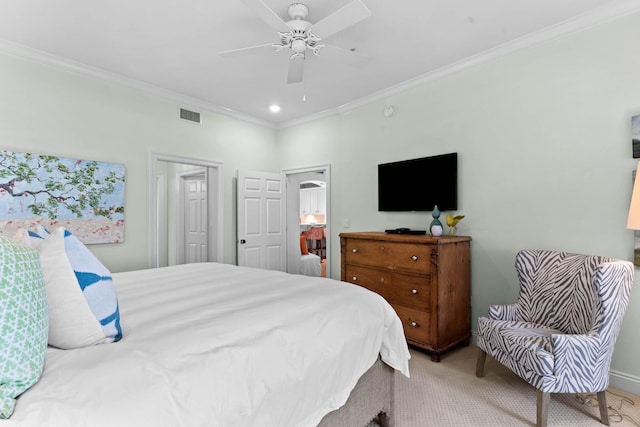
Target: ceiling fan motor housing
[[298, 11], [299, 38]]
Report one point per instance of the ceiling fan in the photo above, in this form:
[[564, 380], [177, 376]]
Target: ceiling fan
[[299, 35]]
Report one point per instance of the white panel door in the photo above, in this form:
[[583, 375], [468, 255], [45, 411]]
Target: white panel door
[[195, 219], [261, 220]]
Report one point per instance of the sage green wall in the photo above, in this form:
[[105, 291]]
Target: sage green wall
[[46, 110], [543, 138]]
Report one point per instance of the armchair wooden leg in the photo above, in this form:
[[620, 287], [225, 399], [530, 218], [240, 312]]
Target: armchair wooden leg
[[542, 405], [602, 403], [482, 356]]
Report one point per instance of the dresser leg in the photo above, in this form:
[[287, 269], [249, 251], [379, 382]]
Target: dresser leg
[[435, 356]]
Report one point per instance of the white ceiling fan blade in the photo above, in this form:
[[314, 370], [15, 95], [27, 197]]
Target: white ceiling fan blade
[[267, 14], [344, 17], [296, 68], [245, 50], [345, 56]]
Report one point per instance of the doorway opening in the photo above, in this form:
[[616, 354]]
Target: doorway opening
[[308, 215], [174, 214]]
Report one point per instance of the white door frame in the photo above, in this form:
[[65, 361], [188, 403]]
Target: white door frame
[[160, 228], [215, 204], [293, 238]]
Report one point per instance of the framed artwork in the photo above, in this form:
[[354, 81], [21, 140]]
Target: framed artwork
[[84, 196], [635, 136]]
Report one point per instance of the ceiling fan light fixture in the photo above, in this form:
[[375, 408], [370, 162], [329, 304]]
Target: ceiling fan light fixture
[[298, 45]]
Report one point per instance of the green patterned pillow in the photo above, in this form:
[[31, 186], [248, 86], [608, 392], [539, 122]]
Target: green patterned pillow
[[24, 322]]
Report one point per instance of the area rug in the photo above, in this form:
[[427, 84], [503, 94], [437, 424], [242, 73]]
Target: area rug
[[449, 394]]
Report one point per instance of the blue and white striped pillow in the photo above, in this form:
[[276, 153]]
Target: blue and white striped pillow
[[83, 304]]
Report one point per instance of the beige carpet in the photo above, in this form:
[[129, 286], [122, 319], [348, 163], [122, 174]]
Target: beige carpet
[[449, 394]]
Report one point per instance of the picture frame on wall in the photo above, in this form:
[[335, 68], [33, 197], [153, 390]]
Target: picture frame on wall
[[84, 196], [635, 136]]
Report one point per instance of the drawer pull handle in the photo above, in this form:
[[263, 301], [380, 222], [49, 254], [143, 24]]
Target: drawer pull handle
[[414, 324], [415, 257], [354, 250], [414, 291], [354, 278]]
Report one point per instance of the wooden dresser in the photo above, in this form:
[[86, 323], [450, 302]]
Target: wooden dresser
[[426, 279]]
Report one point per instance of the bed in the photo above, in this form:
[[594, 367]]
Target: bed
[[212, 344]]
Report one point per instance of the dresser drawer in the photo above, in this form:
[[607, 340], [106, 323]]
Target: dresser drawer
[[416, 324], [390, 255], [396, 288]]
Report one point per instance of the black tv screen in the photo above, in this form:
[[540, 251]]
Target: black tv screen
[[419, 184]]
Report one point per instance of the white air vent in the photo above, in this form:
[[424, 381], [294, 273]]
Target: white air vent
[[192, 116]]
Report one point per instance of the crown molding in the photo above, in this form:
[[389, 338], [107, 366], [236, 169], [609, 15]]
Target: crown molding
[[25, 52], [574, 25]]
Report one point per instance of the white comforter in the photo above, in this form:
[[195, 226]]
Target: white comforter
[[218, 345]]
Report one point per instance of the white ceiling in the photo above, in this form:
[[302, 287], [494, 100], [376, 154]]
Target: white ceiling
[[170, 47]]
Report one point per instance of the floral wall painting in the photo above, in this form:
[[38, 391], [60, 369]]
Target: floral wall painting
[[84, 196], [635, 136]]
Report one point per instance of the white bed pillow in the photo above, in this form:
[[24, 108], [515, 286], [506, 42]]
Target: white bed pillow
[[27, 238], [83, 306]]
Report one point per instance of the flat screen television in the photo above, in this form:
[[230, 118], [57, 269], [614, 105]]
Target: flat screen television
[[419, 184]]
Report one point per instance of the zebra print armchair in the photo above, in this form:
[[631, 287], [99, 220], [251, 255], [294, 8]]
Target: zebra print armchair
[[560, 334]]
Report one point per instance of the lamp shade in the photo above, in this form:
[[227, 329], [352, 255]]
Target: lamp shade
[[633, 222]]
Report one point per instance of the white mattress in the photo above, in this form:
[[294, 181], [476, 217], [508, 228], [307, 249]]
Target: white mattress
[[218, 345]]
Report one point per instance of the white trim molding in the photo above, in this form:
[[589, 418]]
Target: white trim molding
[[575, 25], [585, 21], [22, 51], [624, 382]]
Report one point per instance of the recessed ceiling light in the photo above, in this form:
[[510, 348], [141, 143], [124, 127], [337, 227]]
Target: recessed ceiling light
[[274, 108]]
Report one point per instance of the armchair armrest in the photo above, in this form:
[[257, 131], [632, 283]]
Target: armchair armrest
[[504, 312], [581, 362]]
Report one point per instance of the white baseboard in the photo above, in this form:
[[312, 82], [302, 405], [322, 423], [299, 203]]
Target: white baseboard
[[619, 380], [624, 382]]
